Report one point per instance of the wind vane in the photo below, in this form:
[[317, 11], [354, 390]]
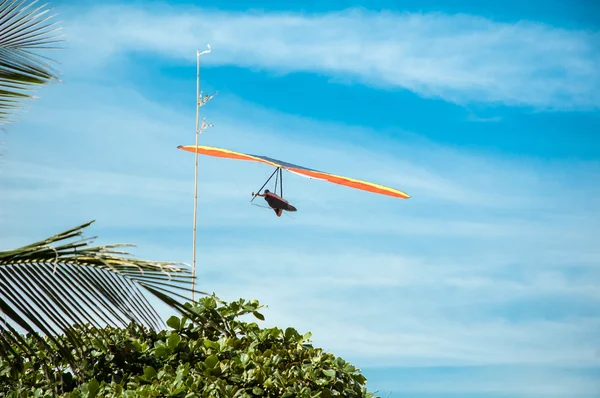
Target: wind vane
[[200, 101]]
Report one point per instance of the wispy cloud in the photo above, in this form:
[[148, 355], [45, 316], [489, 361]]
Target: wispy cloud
[[455, 193], [460, 58], [474, 118]]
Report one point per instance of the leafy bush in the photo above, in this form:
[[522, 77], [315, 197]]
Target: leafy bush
[[215, 354]]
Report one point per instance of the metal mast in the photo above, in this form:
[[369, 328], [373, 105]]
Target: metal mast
[[199, 129]]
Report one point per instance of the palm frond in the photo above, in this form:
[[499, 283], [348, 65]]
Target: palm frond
[[50, 286], [24, 29]]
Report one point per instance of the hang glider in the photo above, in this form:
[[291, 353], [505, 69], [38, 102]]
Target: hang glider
[[300, 170]]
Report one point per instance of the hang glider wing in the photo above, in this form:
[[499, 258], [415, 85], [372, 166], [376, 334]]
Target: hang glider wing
[[303, 171]]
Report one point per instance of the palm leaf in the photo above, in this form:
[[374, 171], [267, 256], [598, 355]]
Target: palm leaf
[[23, 30], [58, 286]]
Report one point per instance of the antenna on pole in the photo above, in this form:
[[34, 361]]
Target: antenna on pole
[[200, 101]]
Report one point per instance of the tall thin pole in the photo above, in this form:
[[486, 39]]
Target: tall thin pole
[[199, 102], [198, 99]]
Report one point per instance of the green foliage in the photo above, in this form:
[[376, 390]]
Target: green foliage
[[47, 286], [216, 353], [23, 29]]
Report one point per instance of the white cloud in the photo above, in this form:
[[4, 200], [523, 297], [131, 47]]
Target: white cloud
[[126, 155], [460, 58], [400, 309]]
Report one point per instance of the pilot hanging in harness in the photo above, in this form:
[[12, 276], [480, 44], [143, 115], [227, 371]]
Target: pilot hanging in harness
[[276, 202]]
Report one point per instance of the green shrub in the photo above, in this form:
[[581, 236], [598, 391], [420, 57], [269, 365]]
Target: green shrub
[[218, 355]]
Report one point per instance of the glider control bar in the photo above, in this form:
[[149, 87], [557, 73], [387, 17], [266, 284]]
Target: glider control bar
[[261, 188]]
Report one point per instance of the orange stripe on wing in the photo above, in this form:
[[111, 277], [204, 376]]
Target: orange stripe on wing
[[224, 153], [350, 182]]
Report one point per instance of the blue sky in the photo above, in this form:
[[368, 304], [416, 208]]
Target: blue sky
[[483, 284]]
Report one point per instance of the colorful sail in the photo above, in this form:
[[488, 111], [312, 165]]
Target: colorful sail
[[303, 171]]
